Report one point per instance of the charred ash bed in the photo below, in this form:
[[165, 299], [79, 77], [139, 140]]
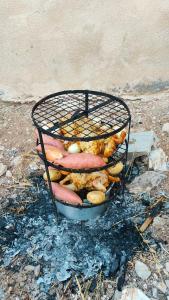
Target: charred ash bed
[[30, 234]]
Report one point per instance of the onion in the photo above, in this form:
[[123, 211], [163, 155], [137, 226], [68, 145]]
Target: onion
[[74, 148]]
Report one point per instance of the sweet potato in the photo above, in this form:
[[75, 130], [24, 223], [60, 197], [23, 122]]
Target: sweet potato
[[64, 194], [52, 153], [51, 141], [80, 161]]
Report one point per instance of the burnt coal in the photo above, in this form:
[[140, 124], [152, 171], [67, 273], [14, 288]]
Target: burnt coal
[[63, 247]]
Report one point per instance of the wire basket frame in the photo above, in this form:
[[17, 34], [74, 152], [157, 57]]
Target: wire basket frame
[[61, 110]]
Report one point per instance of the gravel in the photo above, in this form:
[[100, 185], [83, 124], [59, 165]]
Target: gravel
[[142, 270]]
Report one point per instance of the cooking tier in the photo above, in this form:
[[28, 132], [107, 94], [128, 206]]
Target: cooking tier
[[118, 155], [58, 111]]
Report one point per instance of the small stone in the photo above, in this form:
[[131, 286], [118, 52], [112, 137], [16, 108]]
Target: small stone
[[16, 161], [117, 295], [37, 271], [167, 266], [165, 127], [33, 166], [133, 294], [142, 270], [162, 287], [146, 182], [109, 286], [8, 174], [158, 160], [167, 283], [29, 268], [154, 292], [3, 169], [167, 297], [2, 148]]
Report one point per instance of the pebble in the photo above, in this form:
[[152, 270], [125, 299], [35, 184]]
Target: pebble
[[167, 283], [133, 294], [165, 127], [142, 270], [158, 160], [2, 148], [154, 292], [8, 174], [16, 161], [29, 268], [117, 295], [162, 287], [167, 266], [37, 270], [3, 169], [146, 182]]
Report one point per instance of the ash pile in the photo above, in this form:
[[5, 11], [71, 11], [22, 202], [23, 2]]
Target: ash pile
[[62, 247], [57, 250]]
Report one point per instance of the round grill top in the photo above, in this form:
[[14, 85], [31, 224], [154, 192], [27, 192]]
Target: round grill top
[[80, 115]]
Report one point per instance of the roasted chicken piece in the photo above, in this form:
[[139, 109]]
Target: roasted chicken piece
[[110, 147], [94, 147], [93, 181]]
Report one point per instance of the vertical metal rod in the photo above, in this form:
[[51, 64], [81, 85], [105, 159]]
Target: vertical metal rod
[[86, 103], [126, 157], [47, 170], [128, 139]]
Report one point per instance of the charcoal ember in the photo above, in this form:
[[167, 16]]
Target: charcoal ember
[[122, 271]]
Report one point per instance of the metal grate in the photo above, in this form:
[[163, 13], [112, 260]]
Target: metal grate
[[88, 110]]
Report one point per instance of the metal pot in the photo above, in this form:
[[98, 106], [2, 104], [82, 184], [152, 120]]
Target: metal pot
[[84, 212], [81, 212]]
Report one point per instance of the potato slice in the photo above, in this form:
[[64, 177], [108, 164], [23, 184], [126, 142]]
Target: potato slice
[[116, 169], [54, 175], [96, 197]]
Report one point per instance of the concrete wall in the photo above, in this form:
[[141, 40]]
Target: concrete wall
[[51, 45]]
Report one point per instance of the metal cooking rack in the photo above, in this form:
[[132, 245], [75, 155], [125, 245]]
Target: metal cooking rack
[[51, 114]]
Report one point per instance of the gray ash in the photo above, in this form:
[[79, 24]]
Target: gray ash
[[63, 247]]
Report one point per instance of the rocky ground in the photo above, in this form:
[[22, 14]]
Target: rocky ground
[[148, 270]]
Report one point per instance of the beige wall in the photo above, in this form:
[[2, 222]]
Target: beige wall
[[51, 45]]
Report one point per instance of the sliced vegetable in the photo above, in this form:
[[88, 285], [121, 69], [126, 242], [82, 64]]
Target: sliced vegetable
[[54, 175], [80, 161], [52, 153], [51, 141], [64, 194], [116, 169], [96, 197]]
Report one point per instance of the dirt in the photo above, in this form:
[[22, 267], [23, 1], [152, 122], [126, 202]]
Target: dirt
[[149, 112]]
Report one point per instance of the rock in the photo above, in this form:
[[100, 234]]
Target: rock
[[3, 169], [8, 174], [37, 270], [146, 182], [2, 148], [167, 266], [33, 166], [133, 294], [167, 283], [154, 292], [158, 160], [29, 268], [16, 161], [142, 270], [162, 287], [117, 295], [167, 297], [165, 127], [140, 144]]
